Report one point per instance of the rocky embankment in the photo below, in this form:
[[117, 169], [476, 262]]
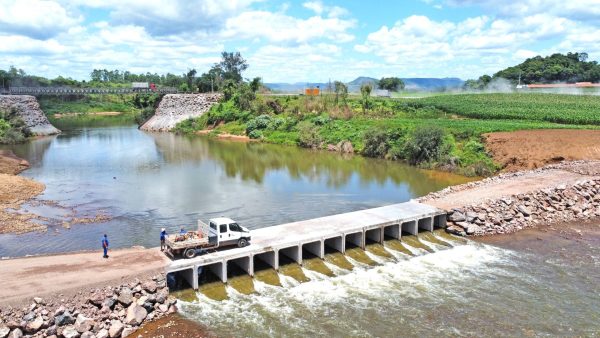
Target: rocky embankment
[[175, 108], [562, 203], [28, 109], [97, 313]]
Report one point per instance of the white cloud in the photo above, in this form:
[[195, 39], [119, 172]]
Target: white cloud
[[417, 42], [581, 10], [168, 17], [38, 19], [280, 27]]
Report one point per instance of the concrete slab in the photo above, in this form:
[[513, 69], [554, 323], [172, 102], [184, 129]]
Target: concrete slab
[[318, 229]]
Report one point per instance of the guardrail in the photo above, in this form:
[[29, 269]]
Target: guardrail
[[81, 91]]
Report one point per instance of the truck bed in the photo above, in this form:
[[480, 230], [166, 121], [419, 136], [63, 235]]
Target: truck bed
[[193, 242]]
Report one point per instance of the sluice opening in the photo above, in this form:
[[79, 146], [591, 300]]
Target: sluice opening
[[210, 281], [426, 232], [238, 275], [373, 243], [409, 231], [439, 222], [264, 268], [179, 286], [289, 264], [311, 258], [354, 249], [334, 253], [391, 239]]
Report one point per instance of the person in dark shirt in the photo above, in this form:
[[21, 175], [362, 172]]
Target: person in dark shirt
[[105, 246], [163, 237]]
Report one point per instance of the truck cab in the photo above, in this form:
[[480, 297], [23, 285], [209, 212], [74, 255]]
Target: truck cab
[[229, 232]]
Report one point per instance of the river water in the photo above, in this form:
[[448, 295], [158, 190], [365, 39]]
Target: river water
[[145, 181], [473, 289]]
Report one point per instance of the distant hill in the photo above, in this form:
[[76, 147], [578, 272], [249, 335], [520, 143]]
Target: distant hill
[[354, 85]]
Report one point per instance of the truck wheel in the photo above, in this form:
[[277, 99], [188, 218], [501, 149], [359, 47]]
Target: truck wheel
[[242, 243], [190, 253]]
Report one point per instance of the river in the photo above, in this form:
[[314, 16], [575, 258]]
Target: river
[[142, 182], [146, 181]]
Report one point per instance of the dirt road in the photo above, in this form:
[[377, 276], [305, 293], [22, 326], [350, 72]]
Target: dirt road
[[512, 184], [24, 278], [529, 149]]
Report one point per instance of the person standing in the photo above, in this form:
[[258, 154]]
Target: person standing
[[163, 237], [105, 246]]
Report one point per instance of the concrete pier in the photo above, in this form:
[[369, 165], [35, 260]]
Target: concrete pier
[[312, 236]]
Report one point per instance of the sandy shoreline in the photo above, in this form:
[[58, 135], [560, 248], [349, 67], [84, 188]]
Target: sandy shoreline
[[16, 190]]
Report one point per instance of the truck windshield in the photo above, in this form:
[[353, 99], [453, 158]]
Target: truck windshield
[[235, 227]]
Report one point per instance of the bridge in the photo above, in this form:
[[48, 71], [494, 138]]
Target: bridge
[[313, 236], [81, 91]]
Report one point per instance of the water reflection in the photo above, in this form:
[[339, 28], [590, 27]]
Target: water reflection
[[146, 181]]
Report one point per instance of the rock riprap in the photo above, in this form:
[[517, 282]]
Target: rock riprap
[[101, 313], [175, 108], [28, 109], [563, 203]]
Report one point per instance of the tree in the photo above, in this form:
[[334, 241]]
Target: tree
[[232, 66], [391, 83], [341, 91], [255, 84], [189, 76], [365, 92]]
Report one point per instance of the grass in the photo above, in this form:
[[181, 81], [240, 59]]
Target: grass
[[557, 108], [88, 104]]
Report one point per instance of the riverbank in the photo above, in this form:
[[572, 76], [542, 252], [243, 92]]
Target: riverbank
[[16, 190], [448, 132]]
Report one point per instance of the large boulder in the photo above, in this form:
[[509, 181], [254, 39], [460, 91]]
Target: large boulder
[[135, 314], [64, 319], [4, 331], [125, 297], [83, 324], [116, 327], [70, 332], [16, 333], [34, 325]]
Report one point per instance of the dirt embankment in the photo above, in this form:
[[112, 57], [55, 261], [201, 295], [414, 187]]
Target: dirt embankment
[[530, 149], [14, 191]]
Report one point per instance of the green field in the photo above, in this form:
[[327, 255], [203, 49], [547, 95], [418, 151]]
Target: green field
[[87, 104], [559, 108]]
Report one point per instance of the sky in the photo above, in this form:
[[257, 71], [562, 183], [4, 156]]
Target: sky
[[293, 41]]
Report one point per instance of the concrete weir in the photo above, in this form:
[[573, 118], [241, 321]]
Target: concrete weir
[[293, 240]]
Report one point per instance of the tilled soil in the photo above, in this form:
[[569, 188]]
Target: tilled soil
[[530, 149]]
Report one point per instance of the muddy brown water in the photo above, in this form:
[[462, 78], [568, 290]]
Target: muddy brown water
[[146, 181]]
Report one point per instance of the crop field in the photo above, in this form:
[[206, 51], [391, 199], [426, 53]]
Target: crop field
[[558, 108]]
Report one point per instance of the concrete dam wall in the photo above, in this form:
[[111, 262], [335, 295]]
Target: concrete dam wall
[[175, 108], [28, 109]]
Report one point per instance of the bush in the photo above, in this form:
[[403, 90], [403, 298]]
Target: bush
[[308, 135], [12, 128], [255, 134], [425, 144], [376, 143], [144, 115], [258, 123]]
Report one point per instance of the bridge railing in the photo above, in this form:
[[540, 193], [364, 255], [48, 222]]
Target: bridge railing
[[81, 91]]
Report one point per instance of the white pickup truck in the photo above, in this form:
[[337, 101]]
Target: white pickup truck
[[219, 232]]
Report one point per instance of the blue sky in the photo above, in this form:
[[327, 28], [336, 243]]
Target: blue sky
[[293, 41]]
